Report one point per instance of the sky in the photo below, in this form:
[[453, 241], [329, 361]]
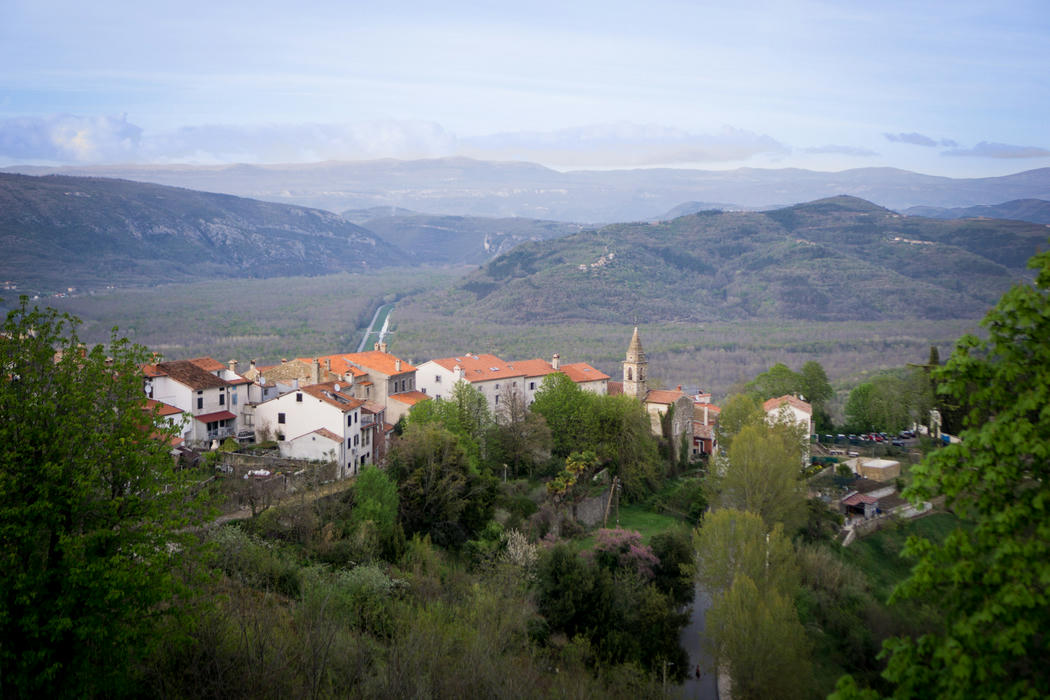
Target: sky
[[959, 88]]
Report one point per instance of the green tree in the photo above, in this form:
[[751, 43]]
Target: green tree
[[465, 414], [776, 381], [566, 408], [884, 403], [93, 516], [740, 410], [520, 439], [991, 581], [734, 542], [763, 475], [815, 385], [439, 493], [376, 508], [758, 633]]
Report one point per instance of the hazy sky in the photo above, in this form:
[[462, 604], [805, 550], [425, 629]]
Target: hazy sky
[[953, 88]]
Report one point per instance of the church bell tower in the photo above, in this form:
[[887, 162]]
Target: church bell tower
[[635, 369]]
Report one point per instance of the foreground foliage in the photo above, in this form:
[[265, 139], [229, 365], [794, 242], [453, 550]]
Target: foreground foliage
[[91, 511]]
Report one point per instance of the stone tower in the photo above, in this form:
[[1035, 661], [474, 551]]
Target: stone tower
[[635, 369]]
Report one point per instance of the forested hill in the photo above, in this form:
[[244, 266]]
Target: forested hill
[[840, 258], [1034, 210], [440, 240], [59, 231]]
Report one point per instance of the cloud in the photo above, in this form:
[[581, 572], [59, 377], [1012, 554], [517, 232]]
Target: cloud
[[917, 139], [843, 150], [986, 149], [68, 138], [298, 143], [612, 145]]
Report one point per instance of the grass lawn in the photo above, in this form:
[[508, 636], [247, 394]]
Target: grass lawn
[[878, 555], [634, 518]]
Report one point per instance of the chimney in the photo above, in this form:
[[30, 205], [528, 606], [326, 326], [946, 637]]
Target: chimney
[[556, 361], [679, 387], [315, 371], [251, 364], [284, 360], [457, 372], [233, 366], [328, 364], [397, 365], [375, 346], [382, 346], [705, 415]]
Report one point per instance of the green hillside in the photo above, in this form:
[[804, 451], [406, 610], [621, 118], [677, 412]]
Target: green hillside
[[59, 232], [835, 259]]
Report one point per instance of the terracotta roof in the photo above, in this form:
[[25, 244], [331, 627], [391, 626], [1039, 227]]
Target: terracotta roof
[[373, 407], [208, 364], [410, 397], [355, 362], [774, 404], [663, 396], [532, 368], [326, 392], [218, 415], [323, 432], [857, 499], [480, 368], [163, 409], [583, 372], [151, 371], [189, 374], [703, 431], [614, 388]]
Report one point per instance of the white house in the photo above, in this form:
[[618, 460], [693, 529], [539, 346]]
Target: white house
[[295, 418], [487, 373], [790, 408], [205, 398]]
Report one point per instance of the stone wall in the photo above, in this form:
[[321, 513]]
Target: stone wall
[[590, 511]]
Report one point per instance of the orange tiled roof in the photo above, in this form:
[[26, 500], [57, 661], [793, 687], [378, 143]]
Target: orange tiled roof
[[795, 401], [323, 432], [663, 396], [532, 368], [163, 409], [583, 372], [374, 360], [326, 392], [480, 368], [208, 364], [410, 397]]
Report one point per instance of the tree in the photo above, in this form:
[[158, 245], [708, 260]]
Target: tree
[[762, 475], [776, 381], [93, 516], [520, 439], [815, 385], [565, 406], [884, 403], [758, 633], [734, 542], [465, 414], [376, 508], [439, 493], [991, 580], [740, 410]]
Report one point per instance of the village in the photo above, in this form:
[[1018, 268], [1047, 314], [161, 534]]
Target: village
[[331, 416]]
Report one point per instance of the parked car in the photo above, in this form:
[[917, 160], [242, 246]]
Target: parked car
[[898, 443]]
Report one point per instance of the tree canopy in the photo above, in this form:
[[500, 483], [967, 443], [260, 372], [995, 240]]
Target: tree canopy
[[93, 515], [992, 581]]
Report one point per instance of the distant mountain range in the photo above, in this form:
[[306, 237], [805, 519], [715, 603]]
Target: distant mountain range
[[1035, 210], [58, 232], [840, 258], [465, 187]]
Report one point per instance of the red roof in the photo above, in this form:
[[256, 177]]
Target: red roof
[[857, 499], [614, 388], [323, 432], [665, 396], [532, 368], [583, 372], [326, 392], [774, 404], [208, 364], [353, 362], [163, 409], [480, 368], [410, 397], [217, 416]]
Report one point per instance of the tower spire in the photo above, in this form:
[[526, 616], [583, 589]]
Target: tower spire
[[635, 368]]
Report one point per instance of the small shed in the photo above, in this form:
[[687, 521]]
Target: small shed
[[860, 504], [876, 469]]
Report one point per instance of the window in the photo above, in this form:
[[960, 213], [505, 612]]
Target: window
[[299, 397], [280, 437], [349, 420], [235, 398], [497, 398], [532, 386], [200, 403], [497, 387], [355, 418], [356, 440], [280, 418], [348, 442], [437, 378], [222, 399]]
